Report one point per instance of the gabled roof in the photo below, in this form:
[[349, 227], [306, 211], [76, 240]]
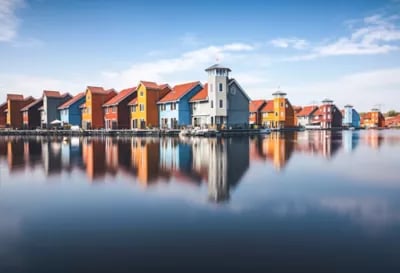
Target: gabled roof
[[3, 105], [231, 81], [15, 97], [97, 90], [178, 91], [26, 108], [307, 111], [201, 95], [268, 107], [255, 105], [68, 103], [120, 97], [51, 94], [133, 102], [318, 112]]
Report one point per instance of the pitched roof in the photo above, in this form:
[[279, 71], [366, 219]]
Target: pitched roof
[[51, 94], [255, 105], [68, 103], [318, 112], [133, 102], [3, 104], [120, 96], [268, 107], [178, 91], [96, 89], [26, 108], [307, 110], [201, 95], [15, 97], [150, 85]]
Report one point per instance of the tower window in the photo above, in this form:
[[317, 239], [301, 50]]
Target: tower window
[[212, 104], [220, 87], [211, 87], [221, 104]]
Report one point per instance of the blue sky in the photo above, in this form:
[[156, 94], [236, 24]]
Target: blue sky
[[345, 50]]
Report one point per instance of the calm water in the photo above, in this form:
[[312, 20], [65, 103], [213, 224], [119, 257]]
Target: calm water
[[300, 202]]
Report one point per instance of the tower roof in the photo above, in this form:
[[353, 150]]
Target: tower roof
[[326, 100], [348, 106], [279, 93], [218, 66]]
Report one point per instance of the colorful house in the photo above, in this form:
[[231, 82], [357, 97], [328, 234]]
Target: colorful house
[[327, 116], [31, 114], [373, 119], [278, 113], [51, 101], [3, 115], [255, 115], [174, 107], [351, 118], [92, 109], [70, 113], [222, 103], [144, 110], [116, 110], [392, 122], [15, 103], [305, 115]]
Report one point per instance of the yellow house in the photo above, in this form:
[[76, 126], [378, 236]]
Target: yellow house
[[144, 110], [278, 113]]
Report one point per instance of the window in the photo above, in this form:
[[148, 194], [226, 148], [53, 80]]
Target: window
[[287, 105], [221, 87], [134, 108], [329, 109], [163, 107], [221, 104], [276, 114], [281, 104], [329, 116], [141, 93], [211, 87], [212, 104], [114, 109], [141, 107], [173, 106], [282, 114]]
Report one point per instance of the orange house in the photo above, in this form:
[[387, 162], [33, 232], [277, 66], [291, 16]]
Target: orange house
[[3, 115], [255, 107], [144, 109], [145, 159], [92, 109], [15, 103], [373, 119], [116, 110]]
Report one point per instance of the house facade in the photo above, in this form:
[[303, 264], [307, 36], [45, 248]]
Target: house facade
[[222, 103], [267, 113], [92, 109], [305, 115], [31, 114], [15, 103], [327, 116], [70, 113], [255, 115], [144, 110], [278, 112], [373, 119], [116, 110], [3, 115], [351, 118], [174, 108], [49, 111], [393, 122]]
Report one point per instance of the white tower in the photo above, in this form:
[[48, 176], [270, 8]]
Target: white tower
[[218, 77]]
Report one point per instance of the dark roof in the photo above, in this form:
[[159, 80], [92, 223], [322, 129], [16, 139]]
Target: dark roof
[[218, 66], [120, 96], [68, 103], [26, 108]]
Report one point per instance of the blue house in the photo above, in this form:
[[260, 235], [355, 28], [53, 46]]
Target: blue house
[[70, 113], [351, 118], [174, 107]]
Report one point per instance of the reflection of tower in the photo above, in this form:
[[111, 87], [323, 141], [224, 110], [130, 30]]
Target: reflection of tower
[[278, 148], [350, 140], [145, 159], [218, 189]]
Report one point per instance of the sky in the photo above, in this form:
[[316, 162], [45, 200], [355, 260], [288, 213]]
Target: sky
[[348, 51]]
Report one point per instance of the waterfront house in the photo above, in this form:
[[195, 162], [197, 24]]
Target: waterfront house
[[267, 113], [278, 112], [144, 110], [373, 119], [305, 115], [15, 103], [351, 118], [255, 116], [116, 110], [222, 102], [3, 115], [49, 112], [327, 116], [31, 114], [92, 109], [392, 122], [174, 107], [70, 113]]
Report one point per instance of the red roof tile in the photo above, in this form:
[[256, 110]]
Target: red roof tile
[[268, 107], [15, 97], [120, 96], [318, 112], [201, 95], [307, 110], [178, 91], [150, 85], [97, 90], [133, 102], [68, 103], [26, 108], [51, 94], [255, 105]]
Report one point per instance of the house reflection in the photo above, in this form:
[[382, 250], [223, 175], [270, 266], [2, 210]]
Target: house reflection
[[350, 140], [325, 143], [51, 155], [373, 138], [15, 154], [221, 162], [93, 156]]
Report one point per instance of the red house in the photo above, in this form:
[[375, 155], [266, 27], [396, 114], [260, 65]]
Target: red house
[[116, 110], [255, 107], [15, 103], [3, 115], [327, 116], [31, 114]]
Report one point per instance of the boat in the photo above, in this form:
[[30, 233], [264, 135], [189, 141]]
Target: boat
[[185, 132], [264, 131]]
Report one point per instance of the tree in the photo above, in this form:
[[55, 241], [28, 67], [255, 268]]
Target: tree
[[391, 113]]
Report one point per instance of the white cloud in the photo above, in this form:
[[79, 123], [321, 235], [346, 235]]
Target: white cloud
[[289, 43], [8, 19], [190, 39]]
